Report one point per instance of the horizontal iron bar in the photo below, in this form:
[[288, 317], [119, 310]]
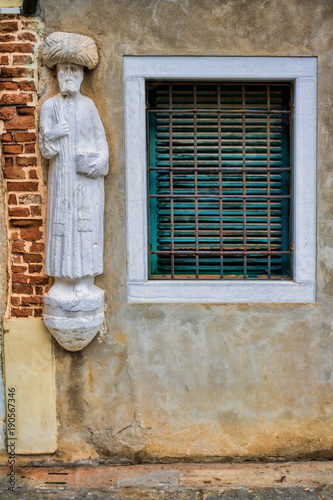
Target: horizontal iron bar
[[219, 252], [217, 169], [226, 110], [218, 196]]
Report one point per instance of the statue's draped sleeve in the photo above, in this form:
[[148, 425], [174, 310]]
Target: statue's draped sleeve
[[49, 147], [101, 142]]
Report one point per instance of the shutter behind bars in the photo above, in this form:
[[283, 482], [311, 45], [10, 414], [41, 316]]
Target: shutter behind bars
[[219, 180]]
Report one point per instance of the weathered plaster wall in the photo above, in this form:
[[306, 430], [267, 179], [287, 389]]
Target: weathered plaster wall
[[199, 381], [10, 4], [3, 297]]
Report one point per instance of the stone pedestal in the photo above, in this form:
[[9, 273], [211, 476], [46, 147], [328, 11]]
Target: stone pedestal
[[74, 315]]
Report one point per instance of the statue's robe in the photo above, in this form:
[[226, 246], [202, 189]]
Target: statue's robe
[[74, 242]]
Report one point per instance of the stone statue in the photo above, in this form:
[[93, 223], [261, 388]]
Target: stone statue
[[72, 137]]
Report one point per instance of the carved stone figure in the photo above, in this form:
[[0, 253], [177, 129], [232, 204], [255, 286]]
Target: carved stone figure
[[72, 137]]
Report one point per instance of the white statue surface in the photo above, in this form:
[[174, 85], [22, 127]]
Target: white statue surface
[[72, 137]]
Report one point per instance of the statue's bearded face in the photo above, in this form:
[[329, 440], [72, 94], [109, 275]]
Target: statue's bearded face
[[70, 77]]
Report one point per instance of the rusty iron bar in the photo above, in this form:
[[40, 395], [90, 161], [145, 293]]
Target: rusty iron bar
[[222, 169], [268, 181], [214, 110], [218, 252], [227, 83], [244, 179], [195, 132], [217, 196], [219, 140], [172, 221]]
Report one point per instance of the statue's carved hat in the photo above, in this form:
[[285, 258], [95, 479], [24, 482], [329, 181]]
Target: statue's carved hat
[[62, 47]]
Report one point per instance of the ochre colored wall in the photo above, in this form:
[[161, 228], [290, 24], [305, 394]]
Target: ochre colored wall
[[198, 382], [10, 4]]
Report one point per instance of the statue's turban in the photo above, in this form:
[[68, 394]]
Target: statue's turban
[[62, 47]]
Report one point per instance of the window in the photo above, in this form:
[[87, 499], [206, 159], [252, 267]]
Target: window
[[220, 189]]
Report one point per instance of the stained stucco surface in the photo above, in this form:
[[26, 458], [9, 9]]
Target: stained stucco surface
[[3, 295], [199, 381]]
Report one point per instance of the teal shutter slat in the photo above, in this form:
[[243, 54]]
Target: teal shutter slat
[[195, 157]]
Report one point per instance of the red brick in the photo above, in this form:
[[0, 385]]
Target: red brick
[[33, 175], [21, 123], [7, 38], [26, 223], [22, 186], [31, 234], [14, 235], [15, 301], [19, 269], [9, 85], [14, 173], [27, 37], [32, 257], [22, 59], [25, 110], [10, 17], [22, 288], [6, 137], [9, 27], [16, 258], [29, 25], [39, 290], [38, 280], [14, 149], [24, 136], [18, 247], [22, 48], [28, 199], [19, 211], [37, 247], [14, 99], [30, 148], [9, 161], [27, 85], [20, 278], [21, 313], [30, 301], [26, 161], [38, 313], [35, 268], [10, 72], [35, 211], [12, 200], [4, 60], [6, 114]]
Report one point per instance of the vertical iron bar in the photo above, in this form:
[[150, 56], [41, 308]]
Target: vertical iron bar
[[172, 221], [219, 141], [244, 178], [269, 259], [195, 130]]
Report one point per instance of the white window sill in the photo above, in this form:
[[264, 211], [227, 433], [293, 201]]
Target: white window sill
[[229, 291]]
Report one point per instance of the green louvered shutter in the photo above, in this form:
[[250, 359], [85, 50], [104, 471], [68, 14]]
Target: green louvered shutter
[[219, 180]]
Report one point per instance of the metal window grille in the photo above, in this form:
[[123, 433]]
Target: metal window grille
[[219, 178]]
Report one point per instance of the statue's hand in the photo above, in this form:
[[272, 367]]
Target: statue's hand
[[60, 130], [94, 172]]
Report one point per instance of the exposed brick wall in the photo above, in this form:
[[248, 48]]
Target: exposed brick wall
[[22, 171]]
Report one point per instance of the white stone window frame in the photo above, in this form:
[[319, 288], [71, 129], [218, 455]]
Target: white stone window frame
[[302, 72]]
